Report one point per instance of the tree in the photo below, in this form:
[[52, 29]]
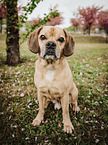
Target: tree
[[103, 22], [1, 19], [75, 22], [88, 16], [12, 39]]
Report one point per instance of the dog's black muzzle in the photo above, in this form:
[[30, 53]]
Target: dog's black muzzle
[[50, 48]]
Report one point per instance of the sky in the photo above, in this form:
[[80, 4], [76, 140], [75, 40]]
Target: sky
[[66, 7]]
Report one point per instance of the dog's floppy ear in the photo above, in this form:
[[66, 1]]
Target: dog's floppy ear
[[69, 46], [33, 40]]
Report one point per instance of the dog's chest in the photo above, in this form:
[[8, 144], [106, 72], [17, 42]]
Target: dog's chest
[[50, 75]]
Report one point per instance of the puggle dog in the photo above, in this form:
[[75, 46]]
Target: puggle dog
[[53, 77]]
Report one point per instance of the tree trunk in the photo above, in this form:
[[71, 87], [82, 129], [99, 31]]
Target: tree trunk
[[0, 20], [0, 25], [106, 38], [106, 32], [12, 40], [89, 28]]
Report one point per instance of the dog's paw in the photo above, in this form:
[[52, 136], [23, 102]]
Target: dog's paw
[[68, 128], [36, 122]]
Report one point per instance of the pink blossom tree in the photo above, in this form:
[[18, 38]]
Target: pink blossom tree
[[55, 21], [103, 22], [88, 16]]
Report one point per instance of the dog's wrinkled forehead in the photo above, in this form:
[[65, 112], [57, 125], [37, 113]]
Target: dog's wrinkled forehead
[[52, 32]]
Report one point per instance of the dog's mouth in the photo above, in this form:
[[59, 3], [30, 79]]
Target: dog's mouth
[[50, 55]]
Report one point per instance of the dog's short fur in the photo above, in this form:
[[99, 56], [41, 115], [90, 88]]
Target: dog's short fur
[[53, 77]]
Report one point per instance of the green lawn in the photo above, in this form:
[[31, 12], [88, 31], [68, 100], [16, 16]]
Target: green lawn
[[19, 105]]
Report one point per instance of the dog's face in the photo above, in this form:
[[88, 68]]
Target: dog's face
[[51, 42]]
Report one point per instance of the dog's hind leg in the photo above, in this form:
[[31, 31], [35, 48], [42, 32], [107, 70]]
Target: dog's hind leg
[[74, 97]]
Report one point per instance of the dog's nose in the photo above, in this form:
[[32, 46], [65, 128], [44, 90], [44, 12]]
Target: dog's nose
[[51, 44]]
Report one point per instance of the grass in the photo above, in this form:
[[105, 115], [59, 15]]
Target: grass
[[19, 104]]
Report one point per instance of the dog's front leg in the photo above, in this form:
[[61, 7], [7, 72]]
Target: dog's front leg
[[68, 127], [40, 115]]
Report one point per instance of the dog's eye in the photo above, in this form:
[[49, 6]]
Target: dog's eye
[[42, 37], [61, 39]]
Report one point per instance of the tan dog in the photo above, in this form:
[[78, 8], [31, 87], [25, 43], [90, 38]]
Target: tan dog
[[53, 77]]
